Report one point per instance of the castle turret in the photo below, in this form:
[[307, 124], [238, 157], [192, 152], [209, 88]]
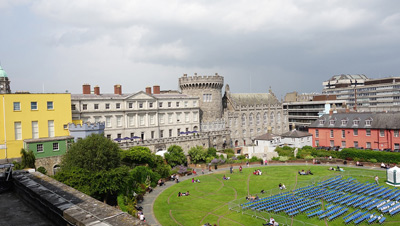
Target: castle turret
[[4, 82], [209, 91]]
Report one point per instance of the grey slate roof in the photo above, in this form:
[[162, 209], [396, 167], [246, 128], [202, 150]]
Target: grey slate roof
[[244, 99], [266, 136], [296, 134], [378, 120]]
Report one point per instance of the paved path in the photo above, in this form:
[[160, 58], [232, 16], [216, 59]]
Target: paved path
[[150, 198]]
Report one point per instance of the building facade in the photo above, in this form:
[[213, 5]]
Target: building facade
[[296, 139], [31, 116], [364, 94], [144, 115], [360, 130], [82, 130], [249, 115]]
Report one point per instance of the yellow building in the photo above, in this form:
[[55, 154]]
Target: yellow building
[[31, 116]]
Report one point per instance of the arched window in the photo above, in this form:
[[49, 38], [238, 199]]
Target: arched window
[[243, 119], [272, 116], [258, 119], [251, 119], [265, 118], [278, 117]]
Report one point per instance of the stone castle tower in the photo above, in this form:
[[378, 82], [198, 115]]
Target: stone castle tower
[[4, 82], [209, 90]]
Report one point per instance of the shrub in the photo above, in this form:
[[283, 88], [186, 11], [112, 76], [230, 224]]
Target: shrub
[[352, 153], [254, 159], [211, 152], [373, 160], [229, 155], [275, 158], [229, 150], [42, 170], [285, 151], [241, 157], [283, 158]]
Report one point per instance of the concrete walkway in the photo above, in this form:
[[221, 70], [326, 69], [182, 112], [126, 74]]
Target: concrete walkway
[[150, 198]]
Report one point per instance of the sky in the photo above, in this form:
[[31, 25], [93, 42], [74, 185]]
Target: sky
[[288, 45]]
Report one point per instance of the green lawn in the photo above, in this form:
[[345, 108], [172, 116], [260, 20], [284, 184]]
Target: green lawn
[[210, 200]]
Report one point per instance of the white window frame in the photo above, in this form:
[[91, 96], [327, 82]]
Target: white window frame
[[35, 129], [17, 106], [18, 130]]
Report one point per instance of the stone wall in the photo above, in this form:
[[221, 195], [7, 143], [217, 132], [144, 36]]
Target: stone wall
[[48, 163]]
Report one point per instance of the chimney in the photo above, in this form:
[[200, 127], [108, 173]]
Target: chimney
[[269, 130], [86, 89], [331, 112], [97, 90], [118, 89], [347, 110], [156, 89], [148, 90]]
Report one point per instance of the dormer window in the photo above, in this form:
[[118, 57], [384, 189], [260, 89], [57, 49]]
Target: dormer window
[[321, 122], [332, 122], [368, 122], [356, 122], [344, 122]]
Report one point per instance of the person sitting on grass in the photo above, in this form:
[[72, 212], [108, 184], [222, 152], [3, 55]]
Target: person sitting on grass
[[262, 191], [187, 193], [359, 164], [225, 178], [179, 194], [309, 172]]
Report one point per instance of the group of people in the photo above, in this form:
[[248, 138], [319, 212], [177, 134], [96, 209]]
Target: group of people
[[183, 194], [257, 172], [281, 186], [337, 169], [175, 177], [225, 178], [308, 172], [271, 222], [252, 198], [195, 180], [141, 216], [161, 182], [359, 164], [385, 166]]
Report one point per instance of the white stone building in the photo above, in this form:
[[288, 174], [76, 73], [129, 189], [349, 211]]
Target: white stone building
[[297, 139], [145, 115], [264, 146]]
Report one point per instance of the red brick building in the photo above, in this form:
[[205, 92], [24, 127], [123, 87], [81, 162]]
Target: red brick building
[[366, 130]]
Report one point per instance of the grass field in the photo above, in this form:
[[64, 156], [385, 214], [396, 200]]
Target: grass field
[[209, 201]]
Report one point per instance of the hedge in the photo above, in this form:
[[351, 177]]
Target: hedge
[[366, 155]]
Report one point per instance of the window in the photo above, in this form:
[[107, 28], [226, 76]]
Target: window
[[35, 130], [332, 143], [107, 106], [132, 134], [185, 104], [96, 119], [258, 130], [170, 118], [316, 133], [50, 124], [343, 133], [207, 97], [108, 121], [150, 105], [344, 122], [356, 144], [96, 106], [178, 131], [396, 133], [251, 131], [130, 105], [396, 146], [355, 132], [17, 106], [152, 134], [39, 147], [131, 120], [321, 122], [109, 136], [243, 120], [187, 119], [258, 119], [141, 120], [162, 120], [381, 133], [140, 105], [343, 144], [178, 117], [265, 118], [50, 105], [244, 131], [169, 104], [368, 132], [368, 145], [368, 122], [331, 133], [272, 116], [18, 130], [84, 107], [73, 107], [55, 147], [119, 121], [317, 143], [170, 133], [160, 104], [34, 106], [117, 105], [152, 119], [194, 103], [161, 133], [356, 122], [195, 116], [119, 135], [332, 122], [177, 104]]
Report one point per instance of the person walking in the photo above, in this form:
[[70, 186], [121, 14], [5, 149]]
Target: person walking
[[240, 168], [231, 169], [377, 179]]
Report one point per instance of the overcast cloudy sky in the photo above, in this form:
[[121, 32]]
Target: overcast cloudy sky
[[287, 44]]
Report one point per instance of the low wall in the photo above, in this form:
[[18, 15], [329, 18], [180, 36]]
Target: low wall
[[65, 205]]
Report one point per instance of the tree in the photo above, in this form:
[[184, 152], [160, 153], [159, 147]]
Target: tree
[[27, 159], [198, 154], [175, 156], [94, 153], [212, 152], [138, 156]]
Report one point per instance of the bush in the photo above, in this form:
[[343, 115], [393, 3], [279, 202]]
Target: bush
[[254, 159], [241, 157], [197, 154], [42, 170], [285, 151], [275, 158], [283, 158], [373, 160], [352, 153], [229, 150], [211, 152], [229, 155]]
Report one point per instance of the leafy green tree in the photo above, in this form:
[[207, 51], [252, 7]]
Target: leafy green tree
[[198, 154], [138, 156], [42, 170], [175, 156], [211, 152], [94, 153], [27, 159], [140, 174]]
